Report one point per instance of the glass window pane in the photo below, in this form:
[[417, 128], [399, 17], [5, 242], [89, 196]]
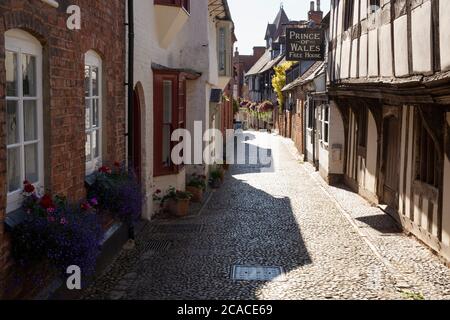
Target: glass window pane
[[87, 72], [30, 120], [88, 114], [14, 181], [11, 74], [95, 81], [96, 144], [88, 148], [29, 75], [32, 163], [166, 145], [95, 113], [12, 122], [167, 105]]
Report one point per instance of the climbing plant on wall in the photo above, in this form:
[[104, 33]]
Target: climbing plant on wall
[[279, 80]]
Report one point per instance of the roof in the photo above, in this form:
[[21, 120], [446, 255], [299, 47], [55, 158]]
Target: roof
[[314, 71], [189, 73], [260, 64], [219, 9], [271, 64], [275, 29]]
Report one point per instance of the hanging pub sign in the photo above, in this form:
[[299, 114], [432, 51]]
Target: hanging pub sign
[[305, 44]]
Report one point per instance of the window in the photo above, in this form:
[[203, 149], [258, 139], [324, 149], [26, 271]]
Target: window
[[24, 131], [426, 156], [348, 18], [362, 126], [222, 50], [374, 5], [324, 117], [93, 107], [169, 115]]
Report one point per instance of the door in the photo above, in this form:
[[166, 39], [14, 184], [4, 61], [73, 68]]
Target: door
[[391, 162]]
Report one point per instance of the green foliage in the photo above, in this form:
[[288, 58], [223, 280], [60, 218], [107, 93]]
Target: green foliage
[[279, 80], [236, 106], [413, 295]]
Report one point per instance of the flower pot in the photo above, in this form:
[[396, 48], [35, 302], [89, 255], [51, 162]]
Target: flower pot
[[197, 193], [226, 166], [178, 208]]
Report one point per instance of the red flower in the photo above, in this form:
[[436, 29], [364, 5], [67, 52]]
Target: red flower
[[86, 206], [117, 164], [29, 188], [105, 169], [47, 202], [26, 182], [158, 191]]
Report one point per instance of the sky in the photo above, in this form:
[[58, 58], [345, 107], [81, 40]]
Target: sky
[[251, 17]]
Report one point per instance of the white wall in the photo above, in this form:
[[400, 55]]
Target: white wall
[[444, 25], [372, 151], [336, 156]]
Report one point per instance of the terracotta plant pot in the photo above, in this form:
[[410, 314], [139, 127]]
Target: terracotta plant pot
[[178, 208], [197, 194]]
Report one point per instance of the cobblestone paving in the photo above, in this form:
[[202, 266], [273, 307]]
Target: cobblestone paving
[[282, 218]]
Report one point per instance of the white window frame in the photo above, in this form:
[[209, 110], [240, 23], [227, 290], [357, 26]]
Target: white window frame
[[21, 42], [92, 59]]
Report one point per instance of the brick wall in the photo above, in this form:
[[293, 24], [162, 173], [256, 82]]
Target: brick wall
[[63, 81]]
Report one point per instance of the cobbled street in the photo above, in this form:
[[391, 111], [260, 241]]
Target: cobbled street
[[330, 247]]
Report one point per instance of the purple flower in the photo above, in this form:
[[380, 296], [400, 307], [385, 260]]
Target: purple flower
[[63, 221], [94, 202]]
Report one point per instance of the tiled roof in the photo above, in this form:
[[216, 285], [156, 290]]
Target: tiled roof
[[316, 69], [260, 64]]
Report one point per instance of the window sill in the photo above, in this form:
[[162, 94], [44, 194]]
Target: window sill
[[14, 219]]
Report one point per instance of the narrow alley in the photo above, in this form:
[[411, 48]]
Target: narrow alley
[[329, 247]]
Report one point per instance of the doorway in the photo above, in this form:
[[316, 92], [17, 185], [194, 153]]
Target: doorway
[[391, 162]]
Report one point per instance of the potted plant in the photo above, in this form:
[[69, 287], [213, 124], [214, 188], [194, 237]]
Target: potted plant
[[196, 186], [216, 178], [177, 202]]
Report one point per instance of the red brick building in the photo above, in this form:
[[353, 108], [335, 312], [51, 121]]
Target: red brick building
[[62, 100]]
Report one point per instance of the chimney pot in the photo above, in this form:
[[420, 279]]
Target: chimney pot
[[312, 6], [318, 5]]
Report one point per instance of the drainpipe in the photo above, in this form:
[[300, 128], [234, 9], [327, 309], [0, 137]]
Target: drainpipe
[[130, 85]]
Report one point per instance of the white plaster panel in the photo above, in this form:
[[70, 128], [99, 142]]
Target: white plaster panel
[[345, 59], [363, 56], [354, 61], [421, 38], [444, 25], [386, 68], [401, 46], [373, 53], [372, 151], [446, 207]]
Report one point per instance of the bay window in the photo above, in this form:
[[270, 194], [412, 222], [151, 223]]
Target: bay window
[[93, 111], [24, 125]]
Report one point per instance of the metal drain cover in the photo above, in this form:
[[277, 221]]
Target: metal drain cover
[[158, 245], [177, 228], [249, 273]]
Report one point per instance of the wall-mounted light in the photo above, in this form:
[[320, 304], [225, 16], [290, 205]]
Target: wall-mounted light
[[52, 3]]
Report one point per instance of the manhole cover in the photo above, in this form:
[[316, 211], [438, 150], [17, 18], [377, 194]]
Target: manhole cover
[[248, 273], [177, 228], [158, 245]]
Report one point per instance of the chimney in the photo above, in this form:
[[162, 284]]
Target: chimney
[[315, 15], [236, 53], [258, 52]]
